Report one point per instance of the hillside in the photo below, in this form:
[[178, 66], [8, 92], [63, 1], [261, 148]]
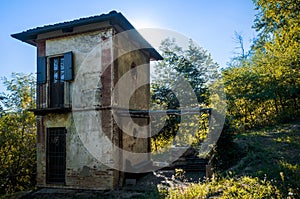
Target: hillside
[[268, 167]]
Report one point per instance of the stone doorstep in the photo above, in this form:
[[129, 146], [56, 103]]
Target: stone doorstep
[[53, 192], [130, 182]]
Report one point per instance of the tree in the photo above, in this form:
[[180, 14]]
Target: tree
[[194, 64], [196, 67], [278, 23], [17, 134], [275, 17], [264, 88], [1, 108]]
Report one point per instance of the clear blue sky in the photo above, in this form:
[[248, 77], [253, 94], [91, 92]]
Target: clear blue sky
[[211, 23]]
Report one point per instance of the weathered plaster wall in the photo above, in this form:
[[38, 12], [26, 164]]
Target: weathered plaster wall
[[134, 139], [86, 49], [82, 169], [90, 93]]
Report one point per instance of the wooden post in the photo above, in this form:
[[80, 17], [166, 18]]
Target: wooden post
[[209, 171]]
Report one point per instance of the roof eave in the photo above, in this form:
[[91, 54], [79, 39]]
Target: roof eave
[[114, 18], [25, 38]]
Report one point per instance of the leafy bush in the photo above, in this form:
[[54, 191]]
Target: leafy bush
[[17, 135], [226, 152], [245, 187]]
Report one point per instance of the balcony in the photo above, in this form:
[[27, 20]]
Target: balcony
[[52, 98]]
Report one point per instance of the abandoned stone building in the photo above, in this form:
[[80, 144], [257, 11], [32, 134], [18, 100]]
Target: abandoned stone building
[[78, 65]]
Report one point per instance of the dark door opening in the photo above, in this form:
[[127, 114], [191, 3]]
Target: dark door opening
[[57, 78], [56, 155]]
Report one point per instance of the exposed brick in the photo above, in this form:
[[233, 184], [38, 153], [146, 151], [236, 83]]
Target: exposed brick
[[41, 48]]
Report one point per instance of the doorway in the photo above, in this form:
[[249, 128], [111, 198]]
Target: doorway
[[56, 155]]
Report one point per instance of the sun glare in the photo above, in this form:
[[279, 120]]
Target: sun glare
[[144, 23]]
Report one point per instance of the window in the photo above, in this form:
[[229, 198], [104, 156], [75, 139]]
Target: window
[[57, 68], [56, 155], [57, 78], [133, 70], [67, 59], [51, 89]]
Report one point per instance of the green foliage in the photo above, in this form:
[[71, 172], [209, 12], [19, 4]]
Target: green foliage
[[197, 68], [245, 187], [17, 135], [226, 153], [194, 64], [275, 17], [264, 88], [21, 92]]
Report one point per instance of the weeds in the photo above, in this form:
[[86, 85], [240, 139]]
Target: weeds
[[269, 167]]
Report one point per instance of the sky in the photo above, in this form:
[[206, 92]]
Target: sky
[[210, 23]]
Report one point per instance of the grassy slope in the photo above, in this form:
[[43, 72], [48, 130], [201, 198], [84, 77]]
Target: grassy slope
[[270, 168], [273, 153]]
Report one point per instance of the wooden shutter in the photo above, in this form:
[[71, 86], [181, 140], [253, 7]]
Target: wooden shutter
[[68, 64], [41, 70]]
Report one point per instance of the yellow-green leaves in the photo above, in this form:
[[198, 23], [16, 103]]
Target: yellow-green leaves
[[17, 135]]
